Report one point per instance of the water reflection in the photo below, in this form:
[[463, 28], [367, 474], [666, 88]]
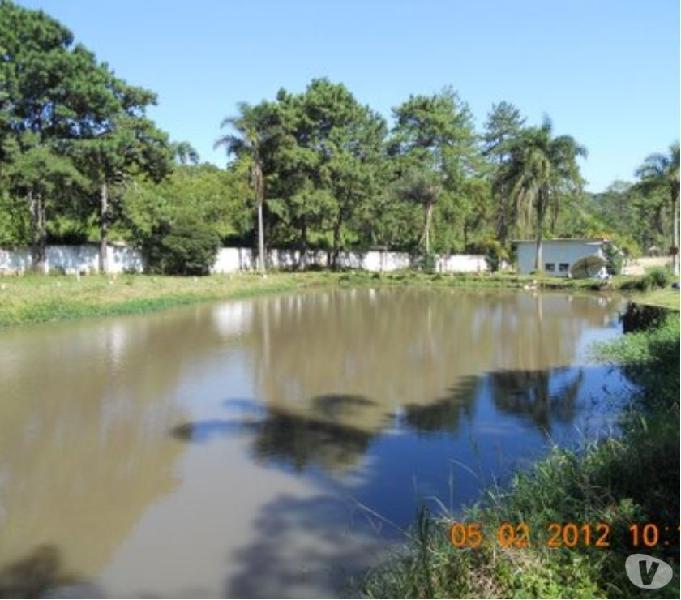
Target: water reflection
[[534, 394], [83, 440], [420, 361], [218, 424], [300, 440], [444, 413]]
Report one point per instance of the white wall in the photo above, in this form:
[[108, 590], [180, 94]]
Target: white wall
[[72, 259], [556, 252], [230, 260], [462, 263], [85, 258]]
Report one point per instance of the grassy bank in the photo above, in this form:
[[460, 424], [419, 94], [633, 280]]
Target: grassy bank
[[667, 298], [631, 479], [33, 299]]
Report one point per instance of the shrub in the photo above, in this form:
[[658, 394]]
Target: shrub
[[183, 248], [495, 254], [426, 262], [643, 284], [614, 259], [658, 277], [654, 278]]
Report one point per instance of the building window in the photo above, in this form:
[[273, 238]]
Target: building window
[[550, 267], [563, 267]]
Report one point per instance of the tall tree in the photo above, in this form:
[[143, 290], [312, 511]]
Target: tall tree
[[434, 144], [542, 168], [347, 141], [51, 89], [254, 132], [504, 123], [58, 100], [124, 144], [184, 153], [662, 171], [45, 179]]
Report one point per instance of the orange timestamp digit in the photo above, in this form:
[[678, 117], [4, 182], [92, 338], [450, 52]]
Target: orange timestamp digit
[[569, 535], [466, 535], [510, 535]]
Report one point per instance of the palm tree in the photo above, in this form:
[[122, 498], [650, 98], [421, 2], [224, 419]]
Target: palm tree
[[542, 168], [422, 188], [663, 170], [184, 153], [253, 130]]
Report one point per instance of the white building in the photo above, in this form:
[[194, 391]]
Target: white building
[[558, 255]]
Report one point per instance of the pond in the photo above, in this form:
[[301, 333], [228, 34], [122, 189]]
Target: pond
[[276, 446]]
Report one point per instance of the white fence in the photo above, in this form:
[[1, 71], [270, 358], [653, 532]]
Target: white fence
[[230, 260], [81, 259], [85, 259]]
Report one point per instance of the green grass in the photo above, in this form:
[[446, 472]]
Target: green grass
[[633, 478], [33, 299], [667, 298]]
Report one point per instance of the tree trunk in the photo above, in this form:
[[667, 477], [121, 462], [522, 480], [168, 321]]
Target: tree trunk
[[37, 208], [540, 222], [538, 254], [261, 239], [303, 243], [675, 210], [502, 217], [336, 243], [659, 219], [426, 227], [103, 227]]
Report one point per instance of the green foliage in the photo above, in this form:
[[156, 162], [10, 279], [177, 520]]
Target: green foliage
[[69, 128], [188, 247], [654, 278], [649, 358], [322, 167], [15, 221], [614, 260], [659, 277], [542, 169], [433, 148], [203, 192], [495, 252]]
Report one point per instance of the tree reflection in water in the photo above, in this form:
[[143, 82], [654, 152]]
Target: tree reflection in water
[[531, 394], [445, 413], [324, 434]]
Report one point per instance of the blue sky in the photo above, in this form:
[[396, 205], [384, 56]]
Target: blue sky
[[606, 71]]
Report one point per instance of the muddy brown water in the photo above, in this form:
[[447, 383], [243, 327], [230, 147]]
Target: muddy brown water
[[275, 446]]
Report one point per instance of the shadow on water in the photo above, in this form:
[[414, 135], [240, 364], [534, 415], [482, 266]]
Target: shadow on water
[[531, 394], [319, 435], [301, 440], [302, 546], [330, 433], [203, 431], [39, 573], [326, 555], [444, 414]]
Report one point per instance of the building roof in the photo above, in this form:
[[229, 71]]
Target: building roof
[[548, 241]]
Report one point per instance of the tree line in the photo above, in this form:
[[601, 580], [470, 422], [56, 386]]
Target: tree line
[[81, 160]]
